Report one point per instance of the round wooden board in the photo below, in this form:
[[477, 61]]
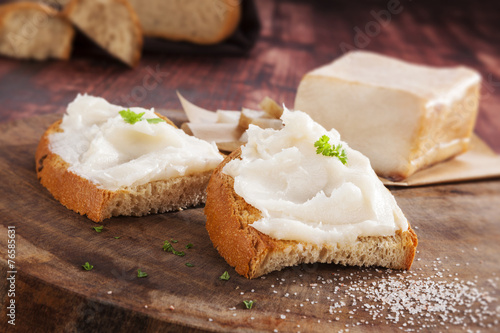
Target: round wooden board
[[459, 224]]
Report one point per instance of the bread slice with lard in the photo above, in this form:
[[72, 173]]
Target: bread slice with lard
[[276, 203], [98, 165], [31, 30], [111, 24]]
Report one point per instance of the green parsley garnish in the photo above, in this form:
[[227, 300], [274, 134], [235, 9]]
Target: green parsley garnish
[[323, 147], [131, 117], [117, 237], [248, 304], [169, 248], [225, 276], [190, 245], [141, 274], [174, 241], [154, 120], [87, 266], [98, 229], [189, 264]]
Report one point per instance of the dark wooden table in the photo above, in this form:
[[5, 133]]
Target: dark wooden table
[[458, 224]]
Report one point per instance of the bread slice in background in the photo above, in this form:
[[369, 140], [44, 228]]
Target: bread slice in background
[[31, 30], [197, 21], [253, 253], [112, 24]]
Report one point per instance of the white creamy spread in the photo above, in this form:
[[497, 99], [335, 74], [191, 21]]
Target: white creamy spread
[[305, 196], [101, 147]]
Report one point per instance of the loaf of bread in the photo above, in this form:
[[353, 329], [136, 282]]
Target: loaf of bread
[[98, 165], [31, 30], [197, 21], [403, 117], [111, 24], [299, 193]]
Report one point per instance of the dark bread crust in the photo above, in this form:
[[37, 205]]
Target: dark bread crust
[[252, 253], [86, 198], [73, 191]]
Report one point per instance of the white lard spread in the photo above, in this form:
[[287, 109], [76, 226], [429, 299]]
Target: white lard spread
[[101, 147], [305, 196]]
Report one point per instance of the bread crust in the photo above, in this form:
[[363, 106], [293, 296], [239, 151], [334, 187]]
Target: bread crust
[[136, 28], [8, 8], [86, 198], [252, 253]]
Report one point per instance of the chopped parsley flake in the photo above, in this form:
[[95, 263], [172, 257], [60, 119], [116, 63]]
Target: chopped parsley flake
[[131, 117], [248, 304], [141, 274], [154, 120], [225, 276], [87, 266], [167, 247], [323, 147], [98, 229]]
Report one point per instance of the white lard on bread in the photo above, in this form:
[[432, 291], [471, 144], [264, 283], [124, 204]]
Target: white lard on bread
[[100, 146], [305, 196], [102, 160]]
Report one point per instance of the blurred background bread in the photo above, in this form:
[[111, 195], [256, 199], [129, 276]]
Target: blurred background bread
[[117, 26], [197, 21], [112, 24], [31, 30]]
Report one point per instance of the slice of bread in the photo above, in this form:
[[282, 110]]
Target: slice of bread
[[253, 253], [112, 24], [161, 188], [34, 31], [197, 21]]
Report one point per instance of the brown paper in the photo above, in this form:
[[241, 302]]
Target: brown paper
[[478, 163]]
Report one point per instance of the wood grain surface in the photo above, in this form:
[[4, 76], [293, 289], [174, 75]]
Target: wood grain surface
[[458, 228], [458, 225]]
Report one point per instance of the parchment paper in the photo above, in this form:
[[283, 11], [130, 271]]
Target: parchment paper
[[478, 163]]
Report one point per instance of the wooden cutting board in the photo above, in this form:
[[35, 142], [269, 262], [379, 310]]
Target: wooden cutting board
[[458, 227]]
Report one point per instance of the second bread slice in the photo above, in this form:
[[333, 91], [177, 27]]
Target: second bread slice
[[312, 208]]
